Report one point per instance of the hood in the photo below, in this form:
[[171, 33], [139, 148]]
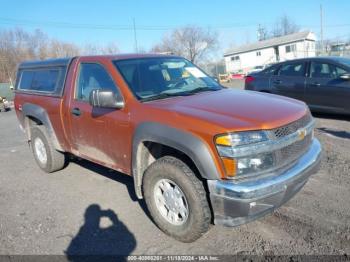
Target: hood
[[236, 110]]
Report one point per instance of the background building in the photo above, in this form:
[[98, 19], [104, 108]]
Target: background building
[[246, 57]]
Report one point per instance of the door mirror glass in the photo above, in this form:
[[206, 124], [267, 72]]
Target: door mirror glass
[[345, 76], [105, 98]]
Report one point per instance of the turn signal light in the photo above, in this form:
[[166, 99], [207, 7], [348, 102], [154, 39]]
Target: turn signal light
[[224, 140], [230, 166]]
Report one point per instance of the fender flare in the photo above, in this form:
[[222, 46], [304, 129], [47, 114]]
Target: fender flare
[[180, 140], [38, 112]]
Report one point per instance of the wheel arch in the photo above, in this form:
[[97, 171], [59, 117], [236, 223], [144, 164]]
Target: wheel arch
[[37, 115], [152, 140]]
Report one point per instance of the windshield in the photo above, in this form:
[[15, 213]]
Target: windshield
[[161, 77], [343, 60]]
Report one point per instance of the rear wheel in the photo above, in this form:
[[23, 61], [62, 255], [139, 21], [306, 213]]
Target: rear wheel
[[176, 199], [46, 156]]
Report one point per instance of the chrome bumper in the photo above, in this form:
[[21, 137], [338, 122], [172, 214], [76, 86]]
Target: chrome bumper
[[235, 203]]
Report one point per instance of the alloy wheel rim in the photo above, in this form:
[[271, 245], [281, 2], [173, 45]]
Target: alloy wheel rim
[[171, 202], [40, 150]]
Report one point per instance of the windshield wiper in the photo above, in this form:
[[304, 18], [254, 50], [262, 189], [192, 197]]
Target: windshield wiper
[[203, 89], [184, 93], [164, 95]]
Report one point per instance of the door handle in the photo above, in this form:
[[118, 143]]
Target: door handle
[[277, 82], [315, 84], [76, 111]]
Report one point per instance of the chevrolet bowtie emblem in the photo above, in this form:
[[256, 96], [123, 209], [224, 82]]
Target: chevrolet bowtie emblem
[[302, 133]]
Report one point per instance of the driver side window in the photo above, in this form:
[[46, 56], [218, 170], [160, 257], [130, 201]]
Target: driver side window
[[325, 70], [92, 76]]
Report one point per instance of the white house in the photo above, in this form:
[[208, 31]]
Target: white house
[[246, 57]]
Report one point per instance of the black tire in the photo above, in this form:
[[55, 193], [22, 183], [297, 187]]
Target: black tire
[[199, 215], [55, 160]]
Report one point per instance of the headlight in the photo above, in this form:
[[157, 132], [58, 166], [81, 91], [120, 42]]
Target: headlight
[[240, 166], [242, 138], [254, 164]]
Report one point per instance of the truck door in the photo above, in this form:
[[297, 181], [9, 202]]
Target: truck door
[[290, 80], [325, 90], [98, 134]]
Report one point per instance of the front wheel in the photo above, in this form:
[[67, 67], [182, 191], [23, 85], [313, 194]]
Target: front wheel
[[176, 199]]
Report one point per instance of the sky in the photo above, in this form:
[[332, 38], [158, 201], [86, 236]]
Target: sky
[[106, 21]]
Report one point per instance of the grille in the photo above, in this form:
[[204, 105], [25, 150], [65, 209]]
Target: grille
[[285, 157], [292, 152], [292, 127]]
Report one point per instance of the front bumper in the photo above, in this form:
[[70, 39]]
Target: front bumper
[[236, 203]]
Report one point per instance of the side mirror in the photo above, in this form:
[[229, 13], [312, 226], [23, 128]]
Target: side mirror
[[345, 76], [105, 99]]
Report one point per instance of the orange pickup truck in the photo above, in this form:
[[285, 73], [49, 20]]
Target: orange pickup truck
[[198, 153]]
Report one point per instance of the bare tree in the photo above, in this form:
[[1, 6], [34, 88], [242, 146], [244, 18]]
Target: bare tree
[[262, 33], [110, 49], [17, 45], [62, 49], [91, 49], [94, 49], [192, 42], [284, 26]]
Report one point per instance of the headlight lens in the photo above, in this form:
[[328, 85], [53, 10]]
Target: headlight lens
[[254, 164], [242, 138], [244, 165]]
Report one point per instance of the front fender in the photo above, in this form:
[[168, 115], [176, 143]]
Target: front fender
[[180, 140]]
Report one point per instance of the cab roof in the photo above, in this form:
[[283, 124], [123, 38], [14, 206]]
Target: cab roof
[[66, 61]]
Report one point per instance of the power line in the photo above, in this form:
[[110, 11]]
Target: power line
[[130, 27], [106, 27]]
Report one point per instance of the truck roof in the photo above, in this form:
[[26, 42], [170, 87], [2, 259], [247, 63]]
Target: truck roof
[[66, 61], [45, 63]]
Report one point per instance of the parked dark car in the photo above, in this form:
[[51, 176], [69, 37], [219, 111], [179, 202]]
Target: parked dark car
[[321, 82]]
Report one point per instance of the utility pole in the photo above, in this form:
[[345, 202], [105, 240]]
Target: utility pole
[[135, 36], [321, 18]]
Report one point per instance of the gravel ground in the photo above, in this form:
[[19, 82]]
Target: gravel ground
[[87, 207]]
